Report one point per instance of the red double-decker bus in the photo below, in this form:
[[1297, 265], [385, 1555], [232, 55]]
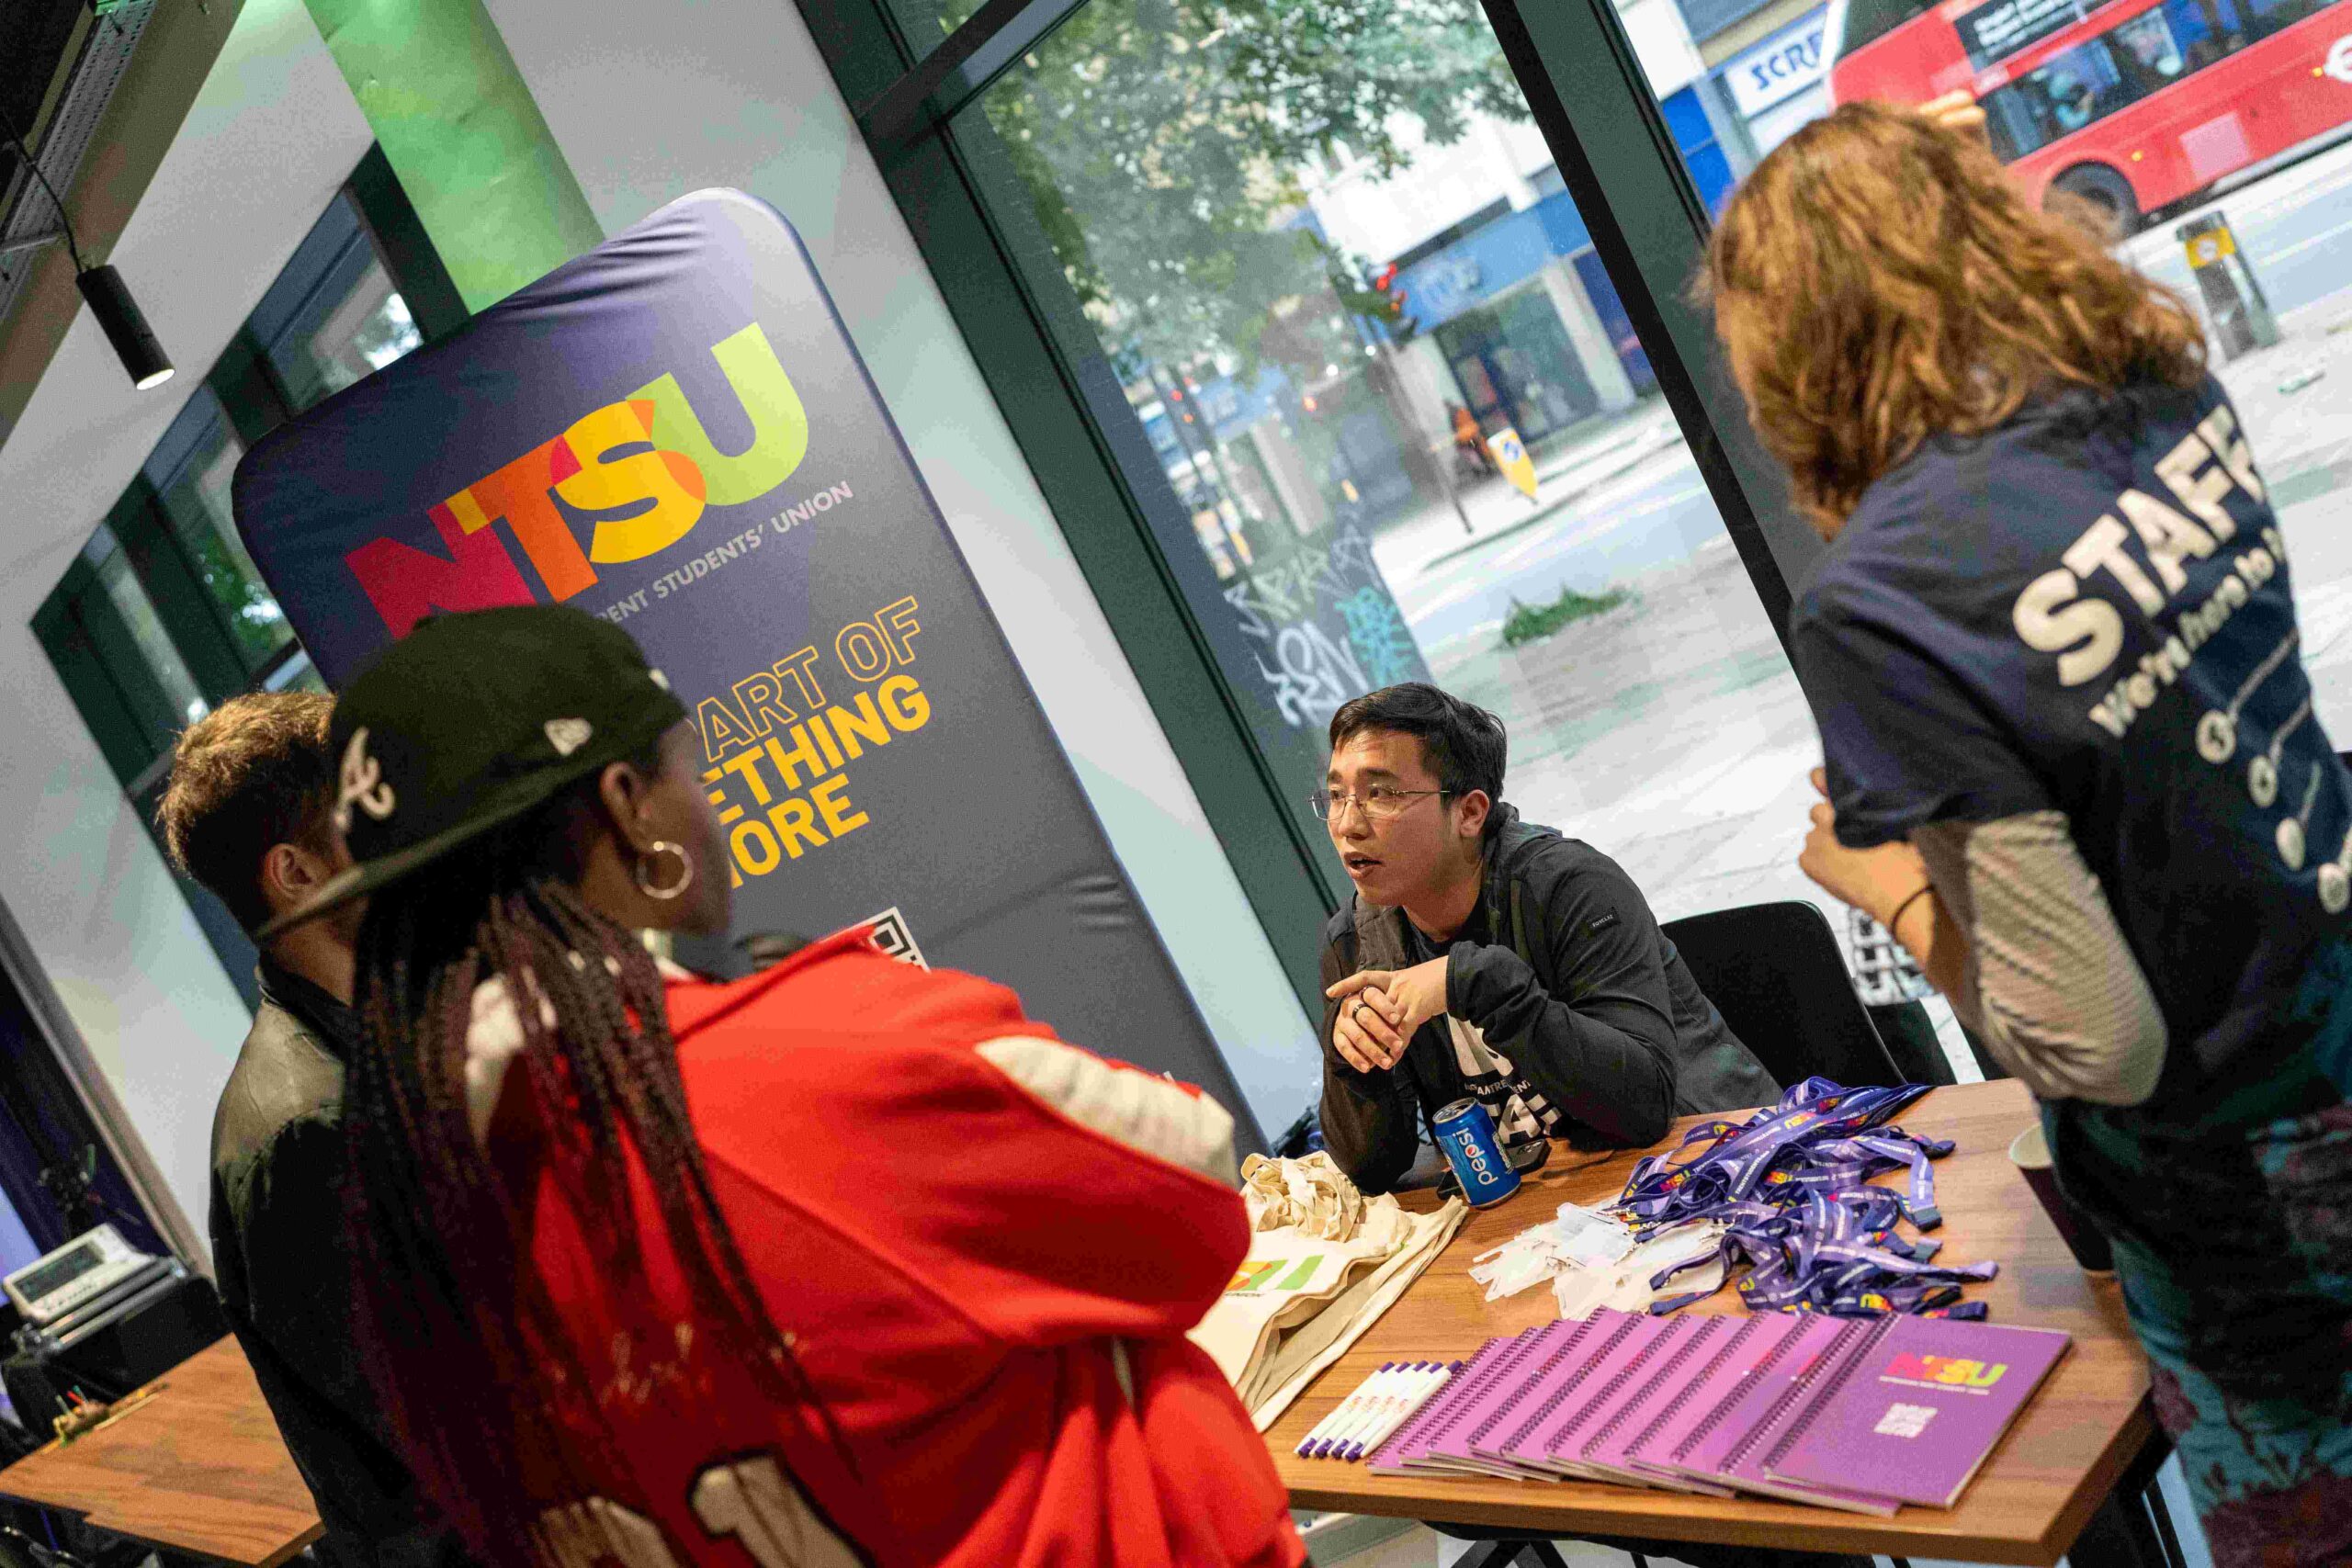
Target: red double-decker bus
[[2133, 105]]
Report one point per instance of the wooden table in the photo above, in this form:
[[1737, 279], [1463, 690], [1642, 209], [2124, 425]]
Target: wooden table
[[200, 1468], [2088, 1424]]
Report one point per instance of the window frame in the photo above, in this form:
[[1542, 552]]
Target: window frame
[[1058, 393], [174, 461], [111, 684]]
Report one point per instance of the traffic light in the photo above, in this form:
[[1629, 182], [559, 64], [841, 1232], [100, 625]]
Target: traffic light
[[1386, 302], [1371, 295]]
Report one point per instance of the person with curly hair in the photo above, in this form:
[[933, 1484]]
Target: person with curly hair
[[2071, 756], [246, 815]]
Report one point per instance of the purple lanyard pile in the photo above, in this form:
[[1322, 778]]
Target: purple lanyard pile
[[1790, 1183]]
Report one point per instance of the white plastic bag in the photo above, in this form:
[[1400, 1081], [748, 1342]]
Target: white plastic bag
[[1624, 1284], [1312, 1196], [1573, 1238]]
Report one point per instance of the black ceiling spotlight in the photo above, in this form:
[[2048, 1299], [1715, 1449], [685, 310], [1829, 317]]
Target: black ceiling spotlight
[[126, 328], [142, 358]]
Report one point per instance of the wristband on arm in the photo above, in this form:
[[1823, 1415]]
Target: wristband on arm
[[1895, 921]]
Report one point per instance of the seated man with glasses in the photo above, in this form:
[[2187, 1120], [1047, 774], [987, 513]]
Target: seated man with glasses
[[1485, 957]]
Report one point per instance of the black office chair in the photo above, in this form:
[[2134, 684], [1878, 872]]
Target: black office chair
[[1909, 1036], [1775, 973]]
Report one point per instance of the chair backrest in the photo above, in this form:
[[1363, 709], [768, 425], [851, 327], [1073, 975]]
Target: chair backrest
[[1909, 1036], [1776, 974]]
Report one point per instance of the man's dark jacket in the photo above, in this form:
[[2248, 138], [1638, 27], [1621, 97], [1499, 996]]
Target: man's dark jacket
[[1563, 969], [281, 1258]]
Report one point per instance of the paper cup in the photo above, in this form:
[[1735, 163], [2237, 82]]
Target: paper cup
[[2030, 1151]]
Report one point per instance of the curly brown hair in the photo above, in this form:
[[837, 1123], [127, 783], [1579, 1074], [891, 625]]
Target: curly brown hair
[[254, 772], [1879, 281]]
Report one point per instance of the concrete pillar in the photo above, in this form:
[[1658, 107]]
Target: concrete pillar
[[1294, 486], [1594, 350], [1730, 126], [460, 128], [1422, 370], [1512, 178]]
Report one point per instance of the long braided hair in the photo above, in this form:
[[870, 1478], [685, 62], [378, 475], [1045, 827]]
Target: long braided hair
[[466, 1346]]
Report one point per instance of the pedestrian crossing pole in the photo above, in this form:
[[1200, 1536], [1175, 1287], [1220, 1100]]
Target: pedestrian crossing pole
[[2235, 310]]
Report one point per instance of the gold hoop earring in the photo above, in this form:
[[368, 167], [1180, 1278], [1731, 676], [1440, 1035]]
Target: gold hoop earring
[[643, 868]]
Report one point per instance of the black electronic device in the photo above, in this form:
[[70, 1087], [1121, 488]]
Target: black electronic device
[[101, 1320], [92, 1268]]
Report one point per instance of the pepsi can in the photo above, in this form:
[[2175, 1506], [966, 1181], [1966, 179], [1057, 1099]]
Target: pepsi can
[[1467, 1133]]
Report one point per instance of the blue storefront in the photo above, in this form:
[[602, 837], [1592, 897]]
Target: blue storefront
[[1701, 146], [1510, 353]]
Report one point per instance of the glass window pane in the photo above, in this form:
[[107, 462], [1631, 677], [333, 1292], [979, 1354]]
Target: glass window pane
[[927, 22], [229, 940], [296, 674], [345, 336], [162, 661], [196, 501], [2158, 112], [1407, 427], [2082, 85]]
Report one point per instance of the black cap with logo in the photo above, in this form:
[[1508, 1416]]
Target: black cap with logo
[[470, 721]]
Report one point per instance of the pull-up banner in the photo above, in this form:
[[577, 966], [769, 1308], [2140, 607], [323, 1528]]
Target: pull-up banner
[[675, 433]]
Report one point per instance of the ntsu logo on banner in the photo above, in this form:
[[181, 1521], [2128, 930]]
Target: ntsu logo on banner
[[642, 470], [674, 432]]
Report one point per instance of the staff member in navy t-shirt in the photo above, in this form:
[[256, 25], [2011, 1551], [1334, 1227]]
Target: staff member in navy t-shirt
[[2071, 760]]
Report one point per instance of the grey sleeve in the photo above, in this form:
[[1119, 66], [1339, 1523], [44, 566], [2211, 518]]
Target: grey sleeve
[[2051, 986]]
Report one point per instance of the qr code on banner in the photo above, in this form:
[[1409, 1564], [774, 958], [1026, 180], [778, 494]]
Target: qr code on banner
[[891, 936], [1905, 1420]]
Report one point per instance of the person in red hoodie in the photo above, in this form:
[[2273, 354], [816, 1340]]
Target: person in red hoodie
[[848, 1262]]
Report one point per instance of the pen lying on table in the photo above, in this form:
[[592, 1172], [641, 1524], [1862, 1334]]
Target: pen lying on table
[[1378, 1406]]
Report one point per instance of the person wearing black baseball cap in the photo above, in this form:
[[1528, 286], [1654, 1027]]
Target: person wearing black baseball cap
[[845, 1262]]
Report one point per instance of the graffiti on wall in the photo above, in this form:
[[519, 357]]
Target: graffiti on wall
[[1322, 627]]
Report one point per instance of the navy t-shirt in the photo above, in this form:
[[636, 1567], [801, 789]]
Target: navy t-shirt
[[2086, 610]]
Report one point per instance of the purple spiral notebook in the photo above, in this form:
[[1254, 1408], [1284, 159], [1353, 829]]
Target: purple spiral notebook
[[1728, 1425], [1690, 1413], [1455, 1447], [1749, 1463], [1915, 1416], [1576, 1414], [1674, 1363], [1569, 1452], [1408, 1445], [1564, 1366], [1563, 1388], [1566, 1344]]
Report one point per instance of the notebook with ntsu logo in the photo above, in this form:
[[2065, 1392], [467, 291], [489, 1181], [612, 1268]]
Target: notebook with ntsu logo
[[1917, 1415]]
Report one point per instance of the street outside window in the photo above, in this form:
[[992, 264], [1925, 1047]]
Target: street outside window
[[1406, 425]]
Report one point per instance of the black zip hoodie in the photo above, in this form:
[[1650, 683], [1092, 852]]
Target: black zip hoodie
[[1564, 972]]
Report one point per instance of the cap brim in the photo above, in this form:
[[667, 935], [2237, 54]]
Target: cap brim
[[360, 880]]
